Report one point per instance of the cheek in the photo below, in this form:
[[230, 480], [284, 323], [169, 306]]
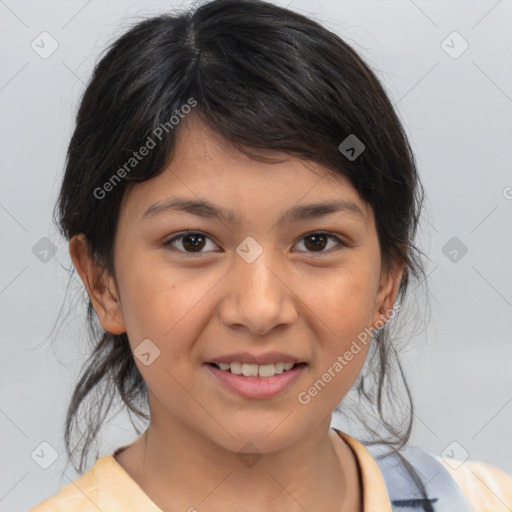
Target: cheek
[[344, 300], [164, 305], [346, 306]]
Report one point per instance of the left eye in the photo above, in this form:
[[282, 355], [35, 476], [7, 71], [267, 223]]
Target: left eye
[[193, 242], [319, 240]]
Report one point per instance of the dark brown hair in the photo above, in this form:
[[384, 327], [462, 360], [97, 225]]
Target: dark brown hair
[[263, 77]]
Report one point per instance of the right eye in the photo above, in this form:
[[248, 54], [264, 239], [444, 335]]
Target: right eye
[[191, 241]]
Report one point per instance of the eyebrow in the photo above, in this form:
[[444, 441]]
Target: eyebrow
[[203, 208]]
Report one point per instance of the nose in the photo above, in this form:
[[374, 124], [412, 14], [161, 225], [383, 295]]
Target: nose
[[259, 295]]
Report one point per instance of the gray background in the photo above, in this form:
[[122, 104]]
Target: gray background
[[457, 110]]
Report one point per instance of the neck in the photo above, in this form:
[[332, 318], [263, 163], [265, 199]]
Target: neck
[[186, 471]]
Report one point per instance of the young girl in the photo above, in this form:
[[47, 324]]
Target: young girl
[[241, 204]]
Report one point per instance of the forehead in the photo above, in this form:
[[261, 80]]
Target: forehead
[[206, 166]]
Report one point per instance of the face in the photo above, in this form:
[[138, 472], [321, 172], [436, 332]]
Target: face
[[268, 281]]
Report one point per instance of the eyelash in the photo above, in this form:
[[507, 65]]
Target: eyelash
[[329, 235]]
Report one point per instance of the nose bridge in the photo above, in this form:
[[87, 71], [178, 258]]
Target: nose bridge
[[258, 296], [257, 278]]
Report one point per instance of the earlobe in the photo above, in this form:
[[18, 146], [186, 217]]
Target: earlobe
[[99, 286]]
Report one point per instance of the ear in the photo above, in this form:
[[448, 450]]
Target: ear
[[386, 295], [100, 286]]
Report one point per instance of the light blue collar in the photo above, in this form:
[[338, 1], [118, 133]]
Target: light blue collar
[[444, 494]]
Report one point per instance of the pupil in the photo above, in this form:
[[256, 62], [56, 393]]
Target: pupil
[[316, 239], [194, 245]]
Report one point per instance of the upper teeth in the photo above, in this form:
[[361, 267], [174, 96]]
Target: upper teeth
[[255, 370]]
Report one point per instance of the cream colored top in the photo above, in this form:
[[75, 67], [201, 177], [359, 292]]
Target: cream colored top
[[107, 487]]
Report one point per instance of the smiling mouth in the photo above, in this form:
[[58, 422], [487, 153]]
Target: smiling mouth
[[256, 370]]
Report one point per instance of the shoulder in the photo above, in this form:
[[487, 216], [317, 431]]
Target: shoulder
[[487, 487], [452, 485], [106, 487], [80, 495]]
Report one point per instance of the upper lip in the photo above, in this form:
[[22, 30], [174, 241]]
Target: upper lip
[[259, 359]]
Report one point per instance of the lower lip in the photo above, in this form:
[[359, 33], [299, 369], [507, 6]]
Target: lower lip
[[258, 387]]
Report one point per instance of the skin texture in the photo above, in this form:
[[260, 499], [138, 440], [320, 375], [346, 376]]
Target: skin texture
[[306, 302]]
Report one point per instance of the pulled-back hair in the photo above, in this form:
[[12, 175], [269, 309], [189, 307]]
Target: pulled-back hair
[[265, 78]]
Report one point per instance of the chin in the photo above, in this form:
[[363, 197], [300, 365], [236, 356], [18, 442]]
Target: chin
[[255, 437]]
